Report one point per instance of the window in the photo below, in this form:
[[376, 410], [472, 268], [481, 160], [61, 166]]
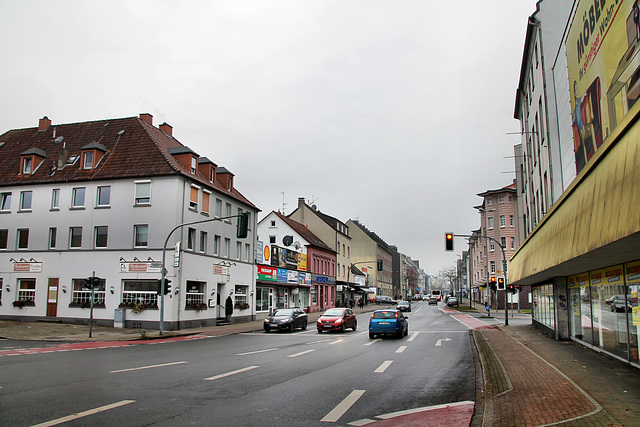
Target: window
[[143, 193], [53, 233], [23, 238], [238, 250], [503, 242], [26, 165], [25, 200], [194, 165], [247, 252], [55, 199], [228, 211], [193, 199], [77, 198], [490, 219], [101, 232], [140, 292], [4, 235], [273, 224], [203, 241], [489, 202], [5, 202], [140, 235], [227, 248], [205, 202], [500, 200], [218, 208], [75, 237], [88, 160], [195, 295], [503, 221], [492, 246], [191, 239], [272, 239], [513, 243], [104, 196], [510, 220], [216, 245], [241, 294], [27, 290], [82, 296], [492, 266]]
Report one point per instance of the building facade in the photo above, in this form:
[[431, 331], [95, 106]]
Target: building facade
[[367, 249], [102, 198]]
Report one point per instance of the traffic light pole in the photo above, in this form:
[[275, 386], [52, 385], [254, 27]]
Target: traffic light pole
[[164, 270], [504, 266]]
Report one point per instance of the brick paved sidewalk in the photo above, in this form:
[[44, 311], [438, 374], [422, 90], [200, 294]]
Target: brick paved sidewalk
[[523, 389]]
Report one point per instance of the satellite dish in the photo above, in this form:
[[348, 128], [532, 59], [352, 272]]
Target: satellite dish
[[297, 245], [287, 240]]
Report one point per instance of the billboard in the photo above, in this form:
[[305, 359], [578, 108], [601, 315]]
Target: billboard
[[604, 68]]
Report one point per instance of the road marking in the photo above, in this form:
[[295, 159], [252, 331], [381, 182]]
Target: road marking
[[301, 353], [146, 367], [238, 371], [338, 341], [383, 367], [316, 342], [439, 342], [401, 349], [413, 337], [425, 408], [374, 341], [84, 414], [343, 406], [257, 351]]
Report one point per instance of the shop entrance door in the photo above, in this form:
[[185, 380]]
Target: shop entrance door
[[52, 297]]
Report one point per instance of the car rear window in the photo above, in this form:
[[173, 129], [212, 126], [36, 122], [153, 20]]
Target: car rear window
[[384, 315]]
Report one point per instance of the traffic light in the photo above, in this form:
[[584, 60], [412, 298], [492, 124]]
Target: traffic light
[[167, 286], [492, 282], [379, 265], [91, 282], [159, 287], [448, 242], [500, 283], [243, 225]]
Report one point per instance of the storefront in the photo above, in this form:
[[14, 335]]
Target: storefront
[[281, 288]]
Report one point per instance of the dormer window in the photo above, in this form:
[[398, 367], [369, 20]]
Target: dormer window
[[91, 155], [26, 165], [31, 159], [194, 165], [88, 160], [230, 184], [212, 174]]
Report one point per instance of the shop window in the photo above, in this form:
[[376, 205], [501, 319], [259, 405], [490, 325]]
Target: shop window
[[143, 292], [82, 296], [194, 295], [27, 291], [241, 292]]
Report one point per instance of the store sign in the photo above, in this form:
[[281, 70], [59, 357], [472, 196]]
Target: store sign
[[140, 267], [268, 274], [28, 267], [304, 278], [220, 269]]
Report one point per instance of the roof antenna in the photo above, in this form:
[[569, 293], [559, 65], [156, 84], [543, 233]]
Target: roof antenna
[[283, 203]]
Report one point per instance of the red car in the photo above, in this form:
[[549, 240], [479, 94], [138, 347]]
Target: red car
[[337, 319]]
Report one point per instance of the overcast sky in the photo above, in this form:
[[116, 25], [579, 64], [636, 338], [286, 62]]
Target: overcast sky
[[395, 113]]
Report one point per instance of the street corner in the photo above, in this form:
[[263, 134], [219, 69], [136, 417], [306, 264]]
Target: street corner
[[451, 414]]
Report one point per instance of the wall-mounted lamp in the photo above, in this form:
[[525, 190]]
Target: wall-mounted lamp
[[150, 259], [136, 259], [32, 260], [251, 293], [230, 292], [12, 260], [23, 260], [122, 259], [176, 291], [213, 292], [64, 289], [8, 288], [112, 290]]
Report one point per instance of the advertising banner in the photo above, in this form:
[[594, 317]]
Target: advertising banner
[[268, 274], [302, 262], [604, 69]]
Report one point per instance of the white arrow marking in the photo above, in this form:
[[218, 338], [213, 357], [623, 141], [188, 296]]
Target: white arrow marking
[[439, 343]]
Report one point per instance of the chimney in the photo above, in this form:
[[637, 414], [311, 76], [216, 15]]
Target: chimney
[[147, 118], [63, 156], [300, 202], [166, 128], [44, 123]]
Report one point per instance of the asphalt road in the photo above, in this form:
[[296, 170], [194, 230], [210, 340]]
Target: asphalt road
[[252, 379]]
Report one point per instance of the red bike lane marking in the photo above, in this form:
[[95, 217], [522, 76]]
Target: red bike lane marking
[[455, 415], [470, 321], [93, 345]]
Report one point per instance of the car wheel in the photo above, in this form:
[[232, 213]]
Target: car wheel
[[400, 333], [343, 328], [406, 331], [266, 330], [355, 325], [372, 335], [292, 327], [319, 331], [304, 326]]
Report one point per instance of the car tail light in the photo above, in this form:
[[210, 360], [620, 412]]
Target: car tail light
[[396, 315], [372, 315]]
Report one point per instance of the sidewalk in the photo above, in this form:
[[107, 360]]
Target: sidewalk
[[527, 378]]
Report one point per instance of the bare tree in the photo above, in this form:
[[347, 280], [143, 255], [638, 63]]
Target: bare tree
[[450, 273]]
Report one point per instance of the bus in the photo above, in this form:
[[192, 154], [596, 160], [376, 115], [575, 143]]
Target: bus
[[437, 293]]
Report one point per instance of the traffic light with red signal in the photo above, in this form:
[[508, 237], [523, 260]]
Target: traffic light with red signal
[[448, 242]]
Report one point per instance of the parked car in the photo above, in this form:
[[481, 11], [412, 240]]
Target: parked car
[[425, 297], [286, 319], [433, 299], [452, 301], [337, 319], [618, 303], [382, 299], [404, 305], [388, 322]]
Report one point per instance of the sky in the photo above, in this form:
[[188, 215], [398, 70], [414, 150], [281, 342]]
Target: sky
[[394, 113]]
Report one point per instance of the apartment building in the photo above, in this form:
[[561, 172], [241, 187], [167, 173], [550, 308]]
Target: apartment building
[[107, 198], [368, 249]]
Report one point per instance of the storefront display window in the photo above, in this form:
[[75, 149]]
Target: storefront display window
[[263, 299], [543, 307]]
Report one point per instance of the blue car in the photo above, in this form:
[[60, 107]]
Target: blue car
[[388, 322]]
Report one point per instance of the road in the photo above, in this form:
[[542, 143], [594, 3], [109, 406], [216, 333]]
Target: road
[[253, 379]]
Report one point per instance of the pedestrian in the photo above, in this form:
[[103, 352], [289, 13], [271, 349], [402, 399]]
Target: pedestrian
[[361, 302]]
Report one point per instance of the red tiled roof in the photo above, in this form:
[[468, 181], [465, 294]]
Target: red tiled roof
[[135, 149]]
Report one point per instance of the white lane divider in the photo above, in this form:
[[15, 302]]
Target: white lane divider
[[257, 351], [374, 341], [338, 341], [401, 349], [238, 371], [146, 367], [343, 406], [301, 353], [413, 337], [383, 367], [84, 414]]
